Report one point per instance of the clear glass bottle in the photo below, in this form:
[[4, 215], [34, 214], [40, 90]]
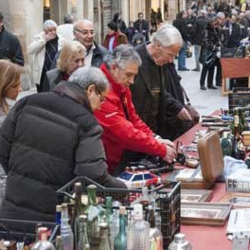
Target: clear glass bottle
[[155, 235], [43, 243], [138, 231], [59, 242], [180, 243], [83, 241], [66, 231], [120, 242], [104, 236]]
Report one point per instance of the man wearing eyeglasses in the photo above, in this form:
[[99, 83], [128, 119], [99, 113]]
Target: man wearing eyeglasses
[[157, 93], [84, 33]]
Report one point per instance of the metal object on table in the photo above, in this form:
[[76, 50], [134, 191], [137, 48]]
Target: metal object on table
[[240, 241]]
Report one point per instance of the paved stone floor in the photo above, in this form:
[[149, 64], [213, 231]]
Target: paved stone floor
[[204, 101]]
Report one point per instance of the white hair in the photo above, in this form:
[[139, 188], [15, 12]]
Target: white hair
[[85, 76], [167, 35], [49, 23], [122, 55]]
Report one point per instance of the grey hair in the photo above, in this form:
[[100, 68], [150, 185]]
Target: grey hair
[[167, 35], [221, 15], [49, 23], [85, 76], [122, 55]]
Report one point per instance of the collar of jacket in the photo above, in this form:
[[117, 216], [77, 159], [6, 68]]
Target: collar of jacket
[[73, 91], [116, 87]]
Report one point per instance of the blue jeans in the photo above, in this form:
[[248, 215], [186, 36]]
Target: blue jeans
[[197, 50], [182, 56]]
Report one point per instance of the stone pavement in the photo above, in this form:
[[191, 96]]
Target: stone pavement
[[205, 101]]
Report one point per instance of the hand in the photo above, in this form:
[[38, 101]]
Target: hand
[[166, 142], [49, 36], [184, 115], [171, 154]]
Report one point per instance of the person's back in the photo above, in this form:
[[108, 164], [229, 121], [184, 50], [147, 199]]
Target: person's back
[[47, 140]]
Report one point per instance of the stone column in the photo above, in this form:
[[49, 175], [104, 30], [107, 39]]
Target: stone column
[[125, 11]]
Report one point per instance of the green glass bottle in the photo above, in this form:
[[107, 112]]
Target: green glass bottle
[[121, 239], [236, 138], [95, 215], [226, 144]]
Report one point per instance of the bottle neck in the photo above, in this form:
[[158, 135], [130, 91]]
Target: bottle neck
[[92, 197], [122, 224]]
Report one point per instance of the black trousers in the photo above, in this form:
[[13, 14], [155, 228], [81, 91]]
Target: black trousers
[[209, 73]]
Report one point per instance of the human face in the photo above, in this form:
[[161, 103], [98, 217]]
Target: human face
[[110, 31], [13, 91], [124, 76], [74, 63], [163, 55], [96, 97], [84, 33]]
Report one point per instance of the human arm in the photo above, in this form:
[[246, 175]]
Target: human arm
[[91, 161], [18, 53], [37, 44]]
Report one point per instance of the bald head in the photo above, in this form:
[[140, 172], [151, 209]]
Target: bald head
[[84, 32]]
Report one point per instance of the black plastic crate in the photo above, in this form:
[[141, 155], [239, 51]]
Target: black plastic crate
[[240, 97], [168, 200], [26, 232]]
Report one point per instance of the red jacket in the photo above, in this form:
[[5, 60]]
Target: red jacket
[[122, 133]]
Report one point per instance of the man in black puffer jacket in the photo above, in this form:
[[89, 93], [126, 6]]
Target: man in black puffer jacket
[[48, 139]]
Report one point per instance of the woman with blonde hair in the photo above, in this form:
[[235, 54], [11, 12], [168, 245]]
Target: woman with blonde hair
[[10, 86], [71, 58]]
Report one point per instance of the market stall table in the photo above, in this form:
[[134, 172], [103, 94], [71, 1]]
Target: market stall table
[[234, 68], [206, 237]]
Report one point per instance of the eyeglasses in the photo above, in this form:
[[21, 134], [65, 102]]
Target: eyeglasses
[[86, 32], [99, 92]]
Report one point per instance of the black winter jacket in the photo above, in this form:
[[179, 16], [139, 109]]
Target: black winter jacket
[[10, 47], [142, 97], [46, 140]]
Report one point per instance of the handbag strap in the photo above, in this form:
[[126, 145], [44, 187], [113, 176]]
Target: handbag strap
[[185, 95]]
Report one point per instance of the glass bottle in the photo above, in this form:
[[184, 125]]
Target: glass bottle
[[109, 219], [96, 215], [59, 242], [43, 243], [120, 242], [155, 235], [58, 214], [83, 242], [180, 243], [236, 138], [104, 236], [226, 144], [138, 231], [78, 209], [66, 231]]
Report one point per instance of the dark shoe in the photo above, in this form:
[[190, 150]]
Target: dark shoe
[[218, 84], [211, 87], [196, 69], [203, 88], [185, 69]]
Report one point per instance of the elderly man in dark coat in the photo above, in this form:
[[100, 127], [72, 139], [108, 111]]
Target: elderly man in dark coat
[[50, 138], [157, 94]]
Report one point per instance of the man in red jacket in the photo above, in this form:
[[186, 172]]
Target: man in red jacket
[[123, 129]]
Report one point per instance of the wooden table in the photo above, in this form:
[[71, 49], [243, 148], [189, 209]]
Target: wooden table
[[206, 237], [234, 68]]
